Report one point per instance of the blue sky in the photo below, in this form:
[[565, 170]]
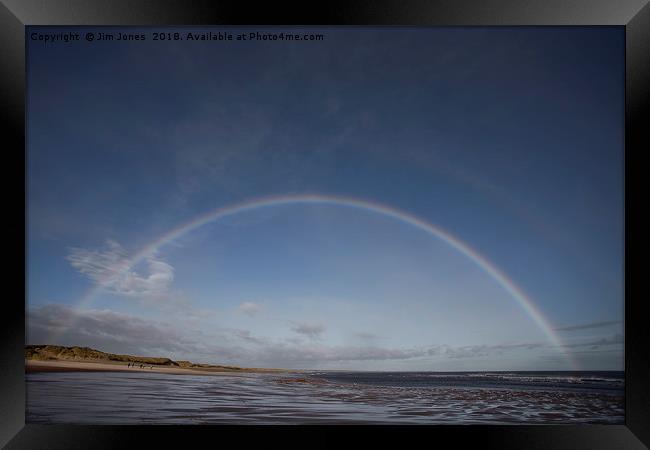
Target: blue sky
[[511, 139]]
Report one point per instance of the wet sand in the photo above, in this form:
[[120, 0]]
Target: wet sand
[[116, 398], [32, 366]]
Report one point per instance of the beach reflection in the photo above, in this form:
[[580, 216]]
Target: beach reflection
[[134, 398]]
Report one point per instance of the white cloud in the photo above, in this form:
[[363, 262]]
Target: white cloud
[[250, 308], [111, 268]]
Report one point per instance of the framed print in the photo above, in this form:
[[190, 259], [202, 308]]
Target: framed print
[[362, 216]]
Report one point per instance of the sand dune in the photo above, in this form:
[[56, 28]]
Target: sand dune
[[83, 366], [54, 358]]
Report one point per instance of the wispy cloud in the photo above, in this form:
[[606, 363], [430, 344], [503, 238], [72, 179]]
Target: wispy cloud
[[297, 355], [589, 326], [250, 308], [105, 329], [366, 336], [247, 336], [118, 332], [111, 267], [310, 330], [212, 144], [594, 344], [123, 333], [473, 351]]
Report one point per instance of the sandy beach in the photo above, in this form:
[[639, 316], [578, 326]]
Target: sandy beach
[[32, 366]]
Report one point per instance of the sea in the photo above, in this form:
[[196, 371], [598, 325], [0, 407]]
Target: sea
[[326, 397]]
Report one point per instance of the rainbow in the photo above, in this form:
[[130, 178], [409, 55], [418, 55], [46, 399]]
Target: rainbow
[[522, 299]]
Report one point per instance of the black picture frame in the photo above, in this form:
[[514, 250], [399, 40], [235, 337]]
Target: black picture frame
[[634, 15]]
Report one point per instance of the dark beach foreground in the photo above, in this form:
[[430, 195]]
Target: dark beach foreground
[[325, 398]]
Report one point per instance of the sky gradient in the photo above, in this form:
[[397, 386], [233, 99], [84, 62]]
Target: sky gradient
[[508, 139]]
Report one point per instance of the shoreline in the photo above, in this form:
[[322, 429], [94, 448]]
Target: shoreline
[[36, 366]]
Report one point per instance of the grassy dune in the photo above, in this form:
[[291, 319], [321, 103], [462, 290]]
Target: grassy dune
[[58, 353], [87, 354]]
